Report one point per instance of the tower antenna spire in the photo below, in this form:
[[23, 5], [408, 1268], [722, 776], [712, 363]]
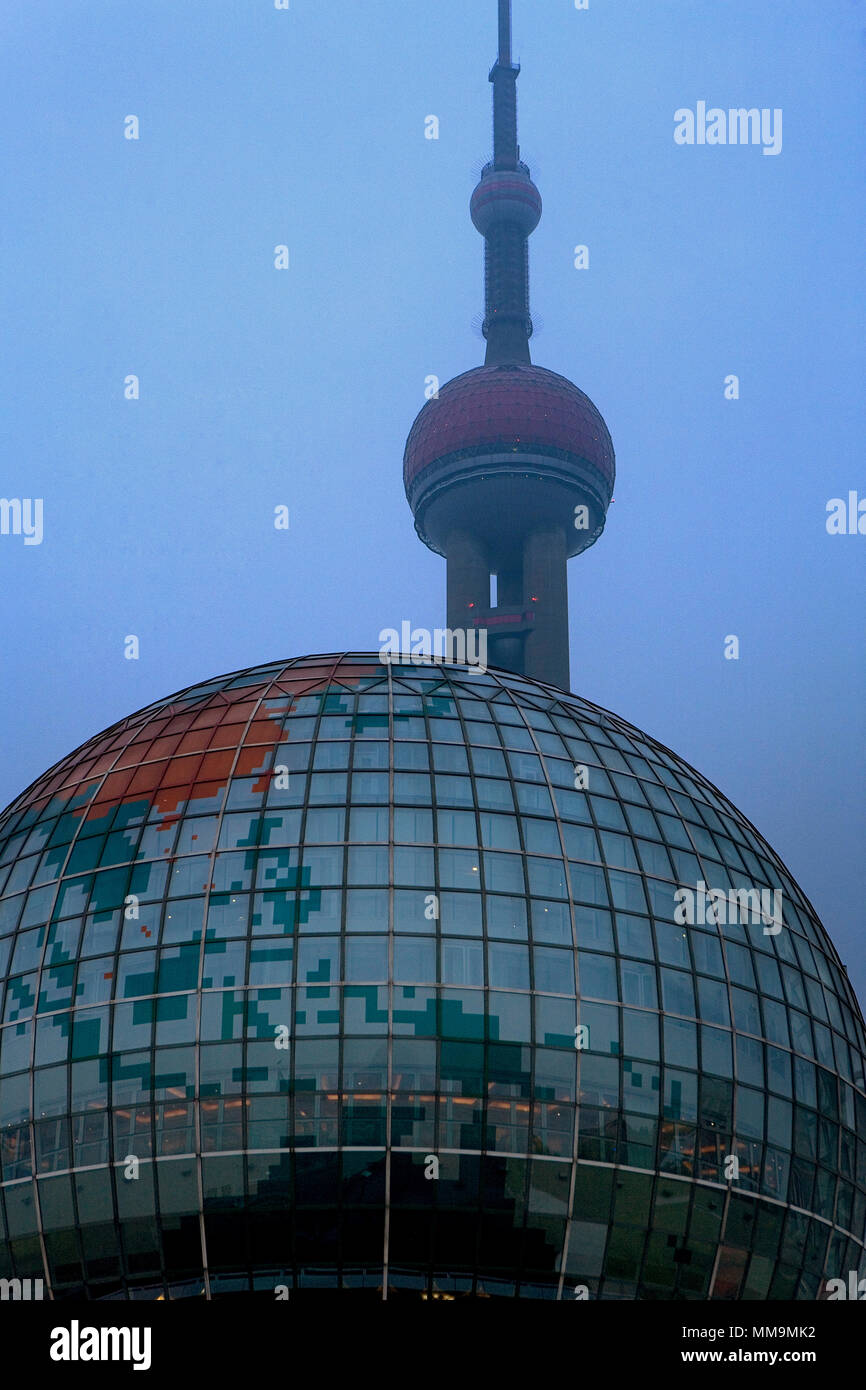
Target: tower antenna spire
[[503, 75], [506, 207], [505, 32]]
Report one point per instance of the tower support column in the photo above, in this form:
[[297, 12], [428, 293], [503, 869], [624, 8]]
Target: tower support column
[[545, 583], [509, 584], [467, 579]]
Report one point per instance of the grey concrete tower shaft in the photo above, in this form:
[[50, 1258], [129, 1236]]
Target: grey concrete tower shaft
[[527, 631]]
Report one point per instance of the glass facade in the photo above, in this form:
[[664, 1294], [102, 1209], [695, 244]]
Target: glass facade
[[337, 975]]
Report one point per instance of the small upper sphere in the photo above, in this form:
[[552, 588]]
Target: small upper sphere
[[506, 195], [517, 407]]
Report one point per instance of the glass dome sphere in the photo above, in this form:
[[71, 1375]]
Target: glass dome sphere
[[335, 975]]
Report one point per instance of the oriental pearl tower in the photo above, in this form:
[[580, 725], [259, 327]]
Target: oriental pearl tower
[[509, 471]]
